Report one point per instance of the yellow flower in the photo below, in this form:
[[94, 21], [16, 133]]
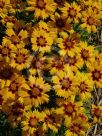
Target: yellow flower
[[96, 74], [42, 8], [76, 127], [87, 53], [90, 20], [52, 31], [68, 43], [97, 113], [16, 38], [84, 85], [71, 12], [31, 121], [41, 41], [6, 49], [37, 93], [64, 84], [59, 22], [69, 109], [58, 65], [51, 120], [21, 59], [6, 71], [75, 62]]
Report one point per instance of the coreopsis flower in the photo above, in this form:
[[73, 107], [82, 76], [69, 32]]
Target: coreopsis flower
[[6, 49], [75, 62], [21, 59], [87, 53], [71, 12], [76, 126], [52, 31], [64, 84], [90, 21], [96, 74], [14, 110], [31, 121], [5, 7], [42, 8], [37, 93], [85, 85], [96, 112], [68, 43], [16, 84], [14, 37], [52, 120], [60, 22], [41, 41], [6, 71]]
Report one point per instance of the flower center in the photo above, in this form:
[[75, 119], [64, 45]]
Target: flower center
[[75, 128], [72, 12], [41, 41], [5, 51], [41, 4], [85, 54], [35, 92], [20, 59], [83, 87], [33, 121], [90, 20], [69, 109], [96, 75], [66, 83]]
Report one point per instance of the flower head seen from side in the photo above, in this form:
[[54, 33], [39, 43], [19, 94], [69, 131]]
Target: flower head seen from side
[[42, 8], [85, 85], [52, 120], [7, 49], [37, 93], [87, 53], [96, 111]]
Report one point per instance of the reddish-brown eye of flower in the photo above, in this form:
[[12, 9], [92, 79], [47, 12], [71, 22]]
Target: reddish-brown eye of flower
[[75, 128], [72, 12], [41, 4], [33, 121], [84, 54], [83, 87], [35, 92], [66, 83], [69, 109], [96, 75], [90, 20], [20, 58], [41, 41]]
